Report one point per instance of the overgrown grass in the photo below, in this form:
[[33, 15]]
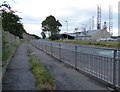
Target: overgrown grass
[[44, 80], [92, 43], [8, 49], [25, 40], [29, 52]]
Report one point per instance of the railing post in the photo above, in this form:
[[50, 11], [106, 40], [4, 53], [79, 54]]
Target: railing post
[[75, 57], [40, 44], [119, 68], [51, 49], [46, 47], [60, 51], [114, 68]]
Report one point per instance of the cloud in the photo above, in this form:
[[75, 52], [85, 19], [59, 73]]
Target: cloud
[[33, 29], [76, 12]]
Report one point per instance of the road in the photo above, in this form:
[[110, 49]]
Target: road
[[108, 52]]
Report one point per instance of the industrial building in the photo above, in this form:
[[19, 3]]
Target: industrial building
[[89, 35], [93, 34]]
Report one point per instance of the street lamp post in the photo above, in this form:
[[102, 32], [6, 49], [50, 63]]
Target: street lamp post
[[67, 29]]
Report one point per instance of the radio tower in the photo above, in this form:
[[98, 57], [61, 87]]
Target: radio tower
[[92, 22], [98, 16], [110, 20]]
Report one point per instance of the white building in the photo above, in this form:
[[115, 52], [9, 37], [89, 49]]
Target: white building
[[89, 35]]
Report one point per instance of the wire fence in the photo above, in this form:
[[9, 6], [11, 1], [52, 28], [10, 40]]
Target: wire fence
[[104, 68]]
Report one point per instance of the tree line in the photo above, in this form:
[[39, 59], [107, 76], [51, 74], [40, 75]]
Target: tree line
[[12, 23]]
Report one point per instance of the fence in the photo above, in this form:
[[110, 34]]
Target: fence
[[104, 68]]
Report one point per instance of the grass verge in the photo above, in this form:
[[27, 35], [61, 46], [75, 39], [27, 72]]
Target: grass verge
[[8, 50], [92, 43], [44, 80]]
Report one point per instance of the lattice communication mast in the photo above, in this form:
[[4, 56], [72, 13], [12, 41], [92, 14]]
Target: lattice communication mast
[[98, 16], [93, 23], [110, 20]]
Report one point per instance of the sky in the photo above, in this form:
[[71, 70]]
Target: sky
[[76, 12]]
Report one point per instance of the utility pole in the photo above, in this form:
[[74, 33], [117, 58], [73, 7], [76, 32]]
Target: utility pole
[[67, 29], [76, 30]]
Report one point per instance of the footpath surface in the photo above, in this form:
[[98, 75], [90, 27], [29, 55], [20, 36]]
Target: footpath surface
[[19, 76]]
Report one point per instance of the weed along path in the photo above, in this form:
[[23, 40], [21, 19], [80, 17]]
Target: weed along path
[[18, 76]]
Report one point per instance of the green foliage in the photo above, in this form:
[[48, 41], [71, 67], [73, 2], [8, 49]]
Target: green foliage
[[37, 37], [55, 37], [92, 43], [7, 46], [43, 35], [12, 24], [44, 79], [51, 25], [29, 52]]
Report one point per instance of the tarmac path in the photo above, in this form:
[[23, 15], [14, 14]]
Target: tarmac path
[[19, 76]]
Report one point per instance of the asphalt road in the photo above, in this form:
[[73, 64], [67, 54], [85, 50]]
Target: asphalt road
[[108, 52]]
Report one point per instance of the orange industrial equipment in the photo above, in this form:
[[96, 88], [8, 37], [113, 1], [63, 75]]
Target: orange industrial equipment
[[104, 26]]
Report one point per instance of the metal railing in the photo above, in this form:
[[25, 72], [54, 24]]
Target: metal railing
[[104, 68]]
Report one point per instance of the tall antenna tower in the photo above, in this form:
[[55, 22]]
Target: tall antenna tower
[[110, 20], [93, 23], [98, 16], [90, 24]]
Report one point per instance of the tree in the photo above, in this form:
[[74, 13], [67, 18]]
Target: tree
[[10, 21], [51, 25], [43, 35], [12, 24]]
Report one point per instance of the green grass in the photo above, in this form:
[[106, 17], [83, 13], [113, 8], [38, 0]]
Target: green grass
[[8, 49], [25, 40], [44, 80], [29, 52], [92, 43]]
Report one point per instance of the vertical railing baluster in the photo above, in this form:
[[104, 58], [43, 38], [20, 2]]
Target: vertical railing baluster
[[60, 51], [114, 68], [75, 57], [51, 49]]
